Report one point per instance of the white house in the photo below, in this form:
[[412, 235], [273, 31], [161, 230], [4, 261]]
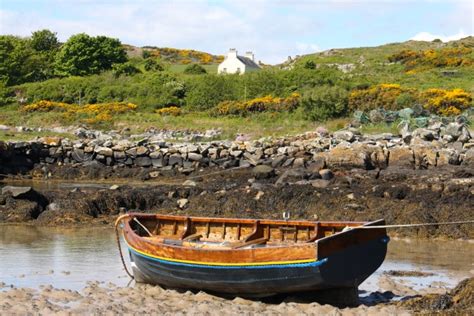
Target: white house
[[234, 63]]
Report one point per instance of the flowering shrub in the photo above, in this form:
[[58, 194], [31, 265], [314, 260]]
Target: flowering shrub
[[89, 113], [262, 104], [394, 97], [445, 57], [378, 96], [446, 102], [184, 56], [169, 111]]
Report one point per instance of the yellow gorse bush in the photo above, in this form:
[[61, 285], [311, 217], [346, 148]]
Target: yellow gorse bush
[[169, 111], [386, 96], [444, 57], [185, 56], [446, 102], [379, 96], [89, 113], [261, 104]]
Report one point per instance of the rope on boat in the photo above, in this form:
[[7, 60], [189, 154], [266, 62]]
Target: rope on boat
[[413, 225], [117, 222]]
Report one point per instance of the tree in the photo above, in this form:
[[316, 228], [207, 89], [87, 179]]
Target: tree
[[84, 55], [44, 40], [17, 61], [195, 69]]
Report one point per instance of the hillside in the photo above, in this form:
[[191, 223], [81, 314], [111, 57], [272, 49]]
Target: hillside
[[373, 64], [148, 87], [177, 59]]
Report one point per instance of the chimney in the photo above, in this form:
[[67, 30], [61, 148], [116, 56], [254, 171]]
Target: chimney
[[232, 53], [249, 55]]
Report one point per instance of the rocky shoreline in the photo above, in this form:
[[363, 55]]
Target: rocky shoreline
[[422, 176]]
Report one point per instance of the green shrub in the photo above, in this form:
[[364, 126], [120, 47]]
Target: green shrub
[[195, 69], [310, 64], [405, 100], [205, 92], [152, 65], [126, 69], [325, 102]]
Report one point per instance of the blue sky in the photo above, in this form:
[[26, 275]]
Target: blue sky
[[273, 29]]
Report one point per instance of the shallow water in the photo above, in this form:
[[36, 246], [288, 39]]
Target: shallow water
[[69, 258]]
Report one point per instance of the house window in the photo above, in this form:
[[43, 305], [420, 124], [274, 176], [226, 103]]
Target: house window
[[238, 70], [224, 70]]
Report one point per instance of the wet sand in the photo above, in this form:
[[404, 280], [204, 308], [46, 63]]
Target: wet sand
[[77, 271], [144, 299]]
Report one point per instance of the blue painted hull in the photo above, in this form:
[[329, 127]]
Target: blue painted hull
[[343, 269]]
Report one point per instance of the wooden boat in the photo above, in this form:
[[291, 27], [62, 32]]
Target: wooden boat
[[252, 258]]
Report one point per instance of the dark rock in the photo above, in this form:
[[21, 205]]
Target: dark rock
[[291, 175], [143, 161], [175, 160], [326, 174], [278, 161], [16, 192], [263, 172]]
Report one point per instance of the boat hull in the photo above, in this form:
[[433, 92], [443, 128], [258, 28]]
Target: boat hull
[[343, 269]]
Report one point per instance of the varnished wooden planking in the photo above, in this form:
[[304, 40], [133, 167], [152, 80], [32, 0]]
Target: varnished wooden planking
[[287, 240]]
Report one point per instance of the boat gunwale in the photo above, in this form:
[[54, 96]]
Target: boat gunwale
[[289, 246]]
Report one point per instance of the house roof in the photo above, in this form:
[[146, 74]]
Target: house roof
[[248, 61]]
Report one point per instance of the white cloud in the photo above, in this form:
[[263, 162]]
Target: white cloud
[[426, 36]]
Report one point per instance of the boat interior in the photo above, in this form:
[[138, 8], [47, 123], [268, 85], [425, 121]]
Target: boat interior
[[226, 233]]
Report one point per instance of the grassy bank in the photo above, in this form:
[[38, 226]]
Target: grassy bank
[[255, 126]]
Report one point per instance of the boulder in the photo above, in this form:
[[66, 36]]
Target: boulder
[[425, 156], [344, 135], [291, 175], [141, 150], [447, 157], [263, 172], [194, 156], [17, 192], [104, 151], [401, 156], [326, 174], [175, 160], [346, 157], [143, 161], [468, 158]]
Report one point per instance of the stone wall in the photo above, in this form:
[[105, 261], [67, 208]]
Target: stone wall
[[342, 150]]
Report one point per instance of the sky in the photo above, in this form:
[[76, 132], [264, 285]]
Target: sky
[[272, 29]]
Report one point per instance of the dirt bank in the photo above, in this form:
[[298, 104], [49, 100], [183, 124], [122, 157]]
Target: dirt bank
[[396, 194]]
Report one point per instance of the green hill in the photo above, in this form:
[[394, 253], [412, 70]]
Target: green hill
[[375, 65]]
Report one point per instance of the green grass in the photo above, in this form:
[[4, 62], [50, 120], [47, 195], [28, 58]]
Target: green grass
[[255, 126], [372, 66], [27, 136]]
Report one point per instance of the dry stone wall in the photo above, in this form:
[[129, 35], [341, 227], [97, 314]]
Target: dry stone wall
[[342, 150]]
